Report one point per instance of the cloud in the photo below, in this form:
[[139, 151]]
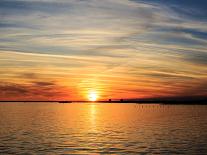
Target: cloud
[[12, 89], [32, 91], [44, 84]]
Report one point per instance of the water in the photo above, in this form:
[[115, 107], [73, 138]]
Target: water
[[52, 128]]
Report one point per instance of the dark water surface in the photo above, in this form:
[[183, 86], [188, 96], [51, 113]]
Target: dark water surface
[[52, 128]]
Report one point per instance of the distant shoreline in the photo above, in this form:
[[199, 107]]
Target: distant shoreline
[[182, 102]]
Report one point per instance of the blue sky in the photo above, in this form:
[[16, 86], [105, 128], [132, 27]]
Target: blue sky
[[160, 46]]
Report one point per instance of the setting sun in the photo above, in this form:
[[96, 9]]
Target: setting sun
[[92, 96]]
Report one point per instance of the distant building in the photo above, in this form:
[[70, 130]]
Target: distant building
[[109, 100]]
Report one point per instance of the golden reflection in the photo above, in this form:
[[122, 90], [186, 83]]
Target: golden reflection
[[93, 115]]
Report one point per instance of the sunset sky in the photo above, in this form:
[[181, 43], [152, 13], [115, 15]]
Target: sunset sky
[[73, 49]]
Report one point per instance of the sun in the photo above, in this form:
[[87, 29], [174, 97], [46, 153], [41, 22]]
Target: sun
[[92, 96]]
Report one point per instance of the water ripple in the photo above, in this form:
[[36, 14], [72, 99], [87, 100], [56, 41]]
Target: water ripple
[[102, 129]]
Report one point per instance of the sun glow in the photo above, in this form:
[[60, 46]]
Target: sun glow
[[92, 96]]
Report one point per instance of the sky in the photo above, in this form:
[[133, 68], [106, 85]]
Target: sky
[[69, 49]]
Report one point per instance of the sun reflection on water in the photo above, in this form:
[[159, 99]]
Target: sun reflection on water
[[93, 113]]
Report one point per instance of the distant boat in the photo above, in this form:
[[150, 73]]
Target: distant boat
[[65, 102]]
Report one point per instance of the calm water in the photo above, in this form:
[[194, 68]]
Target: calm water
[[52, 128]]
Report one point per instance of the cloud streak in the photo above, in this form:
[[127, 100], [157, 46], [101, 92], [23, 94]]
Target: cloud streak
[[41, 91]]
